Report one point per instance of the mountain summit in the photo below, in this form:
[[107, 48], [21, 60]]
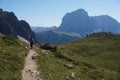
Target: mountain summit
[[80, 22], [77, 21]]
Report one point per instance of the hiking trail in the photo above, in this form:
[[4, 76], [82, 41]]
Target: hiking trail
[[30, 71]]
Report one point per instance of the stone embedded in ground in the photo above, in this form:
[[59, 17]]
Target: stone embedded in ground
[[69, 66], [72, 74]]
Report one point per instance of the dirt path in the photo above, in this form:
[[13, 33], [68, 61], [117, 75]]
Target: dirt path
[[30, 68]]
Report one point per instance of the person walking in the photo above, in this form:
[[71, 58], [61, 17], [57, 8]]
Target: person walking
[[31, 43]]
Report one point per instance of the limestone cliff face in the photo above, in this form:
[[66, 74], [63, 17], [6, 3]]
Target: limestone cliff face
[[10, 25], [77, 21], [80, 22]]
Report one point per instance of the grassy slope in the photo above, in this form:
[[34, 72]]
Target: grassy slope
[[12, 53], [93, 58]]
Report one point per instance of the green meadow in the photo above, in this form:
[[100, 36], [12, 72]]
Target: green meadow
[[12, 53], [96, 57]]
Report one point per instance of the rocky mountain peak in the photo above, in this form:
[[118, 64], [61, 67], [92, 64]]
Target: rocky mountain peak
[[77, 14], [72, 22], [80, 22], [10, 25]]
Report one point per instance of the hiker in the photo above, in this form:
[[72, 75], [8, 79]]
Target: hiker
[[31, 43]]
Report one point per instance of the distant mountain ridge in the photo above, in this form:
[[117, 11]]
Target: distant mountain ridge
[[107, 23], [80, 22], [38, 29], [56, 37], [10, 25]]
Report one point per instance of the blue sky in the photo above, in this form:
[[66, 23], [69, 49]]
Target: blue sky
[[50, 12]]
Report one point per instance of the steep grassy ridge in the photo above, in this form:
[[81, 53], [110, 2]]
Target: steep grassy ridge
[[96, 57], [12, 53]]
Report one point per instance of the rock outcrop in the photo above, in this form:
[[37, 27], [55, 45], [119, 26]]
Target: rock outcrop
[[10, 25]]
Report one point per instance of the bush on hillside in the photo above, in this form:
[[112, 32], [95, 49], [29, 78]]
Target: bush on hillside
[[49, 47]]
